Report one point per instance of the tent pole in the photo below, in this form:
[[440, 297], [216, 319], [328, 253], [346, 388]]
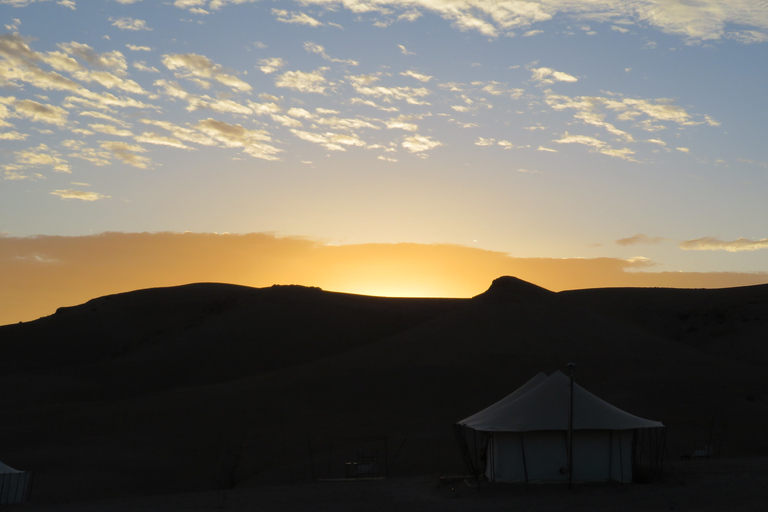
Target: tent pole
[[477, 469], [638, 438], [621, 460], [662, 449], [461, 439], [570, 427], [525, 463], [311, 458], [610, 455], [386, 469]]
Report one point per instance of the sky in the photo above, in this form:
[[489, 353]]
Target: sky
[[403, 147]]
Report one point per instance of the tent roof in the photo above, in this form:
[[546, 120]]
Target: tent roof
[[4, 468], [543, 403]]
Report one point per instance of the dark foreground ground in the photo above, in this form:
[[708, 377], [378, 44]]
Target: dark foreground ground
[[705, 485]]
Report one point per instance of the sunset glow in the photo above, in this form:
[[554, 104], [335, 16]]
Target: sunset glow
[[387, 147]]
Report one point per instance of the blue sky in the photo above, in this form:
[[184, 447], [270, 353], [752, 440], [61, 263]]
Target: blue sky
[[555, 128]]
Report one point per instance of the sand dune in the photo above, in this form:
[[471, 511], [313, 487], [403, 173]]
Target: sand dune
[[208, 387]]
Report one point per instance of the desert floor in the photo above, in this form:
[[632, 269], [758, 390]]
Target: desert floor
[[705, 485]]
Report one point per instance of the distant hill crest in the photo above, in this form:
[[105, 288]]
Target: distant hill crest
[[510, 289]]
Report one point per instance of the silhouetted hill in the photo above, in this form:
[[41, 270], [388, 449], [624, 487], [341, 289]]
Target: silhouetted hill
[[207, 386], [729, 322], [508, 288], [147, 340]]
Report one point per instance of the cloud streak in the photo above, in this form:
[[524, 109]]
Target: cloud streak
[[79, 194], [190, 65], [711, 243], [640, 239]]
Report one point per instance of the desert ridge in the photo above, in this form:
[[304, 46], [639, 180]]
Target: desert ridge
[[211, 387]]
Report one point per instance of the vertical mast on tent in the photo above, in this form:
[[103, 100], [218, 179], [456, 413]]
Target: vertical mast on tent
[[570, 427]]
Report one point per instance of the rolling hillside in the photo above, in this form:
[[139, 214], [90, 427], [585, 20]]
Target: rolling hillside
[[211, 386]]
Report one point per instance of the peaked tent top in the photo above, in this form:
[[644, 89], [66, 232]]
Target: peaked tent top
[[4, 468], [543, 403]]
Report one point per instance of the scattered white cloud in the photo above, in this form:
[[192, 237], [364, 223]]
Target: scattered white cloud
[[329, 140], [300, 113], [711, 243], [212, 5], [109, 80], [160, 140], [481, 141], [364, 84], [13, 135], [345, 123], [79, 149], [183, 133], [110, 130], [548, 76], [271, 65], [320, 50], [643, 114], [126, 153], [749, 36], [402, 123], [744, 21], [586, 140], [142, 66], [287, 121], [297, 18], [21, 65], [495, 88], [113, 60], [14, 25], [597, 145], [41, 112], [129, 24], [39, 156], [710, 121], [706, 20], [420, 143], [302, 81], [81, 71], [190, 65], [418, 76], [253, 142], [640, 239], [83, 195]]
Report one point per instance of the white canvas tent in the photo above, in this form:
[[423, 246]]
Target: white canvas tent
[[14, 484], [526, 435]]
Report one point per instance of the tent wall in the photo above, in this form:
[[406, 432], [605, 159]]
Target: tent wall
[[542, 456], [14, 487]]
